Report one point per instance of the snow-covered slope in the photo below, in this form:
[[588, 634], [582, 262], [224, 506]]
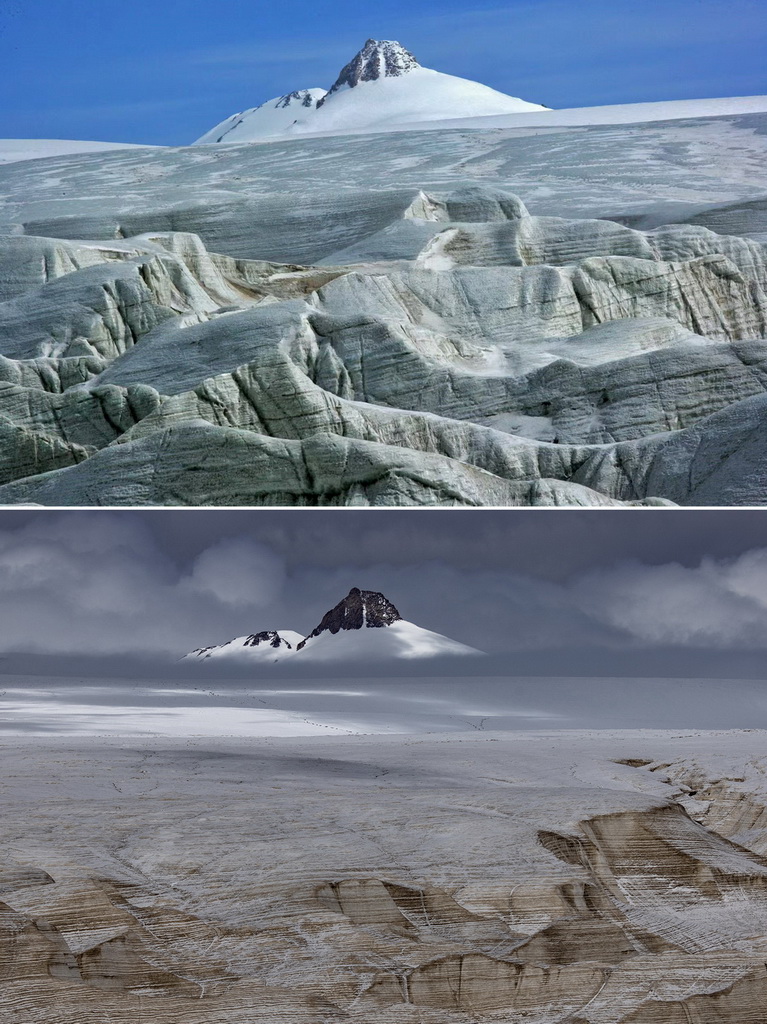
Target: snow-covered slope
[[269, 645], [365, 626], [14, 150], [420, 95], [621, 113], [401, 639], [382, 85], [271, 118]]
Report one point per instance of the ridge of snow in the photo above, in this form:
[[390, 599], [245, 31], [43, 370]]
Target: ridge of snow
[[243, 647], [419, 95], [537, 118], [400, 640], [271, 118]]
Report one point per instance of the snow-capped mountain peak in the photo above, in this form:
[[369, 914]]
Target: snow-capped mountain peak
[[377, 59], [364, 627], [382, 86], [359, 608]]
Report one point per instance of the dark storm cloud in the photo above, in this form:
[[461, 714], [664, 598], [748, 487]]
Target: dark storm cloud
[[563, 584], [546, 544]]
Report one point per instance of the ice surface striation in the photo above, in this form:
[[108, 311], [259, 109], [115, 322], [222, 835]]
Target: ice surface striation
[[468, 318], [544, 878]]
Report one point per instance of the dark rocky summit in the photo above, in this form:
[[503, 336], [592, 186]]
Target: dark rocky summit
[[359, 608], [303, 97], [267, 636], [377, 59]]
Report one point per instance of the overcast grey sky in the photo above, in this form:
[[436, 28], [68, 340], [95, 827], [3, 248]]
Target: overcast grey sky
[[163, 582]]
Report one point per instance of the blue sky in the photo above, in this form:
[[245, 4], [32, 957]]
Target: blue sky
[[164, 71]]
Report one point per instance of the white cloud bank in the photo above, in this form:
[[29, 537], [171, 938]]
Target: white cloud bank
[[716, 604]]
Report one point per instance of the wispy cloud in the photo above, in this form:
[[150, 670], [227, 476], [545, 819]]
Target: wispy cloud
[[718, 603]]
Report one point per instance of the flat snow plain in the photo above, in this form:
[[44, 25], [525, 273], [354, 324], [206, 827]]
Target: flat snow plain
[[203, 705]]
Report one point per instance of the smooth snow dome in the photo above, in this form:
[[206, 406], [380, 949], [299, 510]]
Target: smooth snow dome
[[402, 639], [419, 95], [267, 120]]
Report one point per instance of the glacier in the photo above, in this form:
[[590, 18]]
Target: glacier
[[603, 877], [455, 316]]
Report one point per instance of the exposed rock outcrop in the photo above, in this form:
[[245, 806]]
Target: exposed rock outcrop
[[360, 608], [377, 59]]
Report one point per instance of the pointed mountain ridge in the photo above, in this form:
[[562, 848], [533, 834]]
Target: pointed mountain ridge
[[359, 608], [302, 97], [267, 636], [378, 58], [267, 643]]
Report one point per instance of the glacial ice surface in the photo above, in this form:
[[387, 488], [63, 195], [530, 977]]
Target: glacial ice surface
[[546, 877], [473, 317]]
